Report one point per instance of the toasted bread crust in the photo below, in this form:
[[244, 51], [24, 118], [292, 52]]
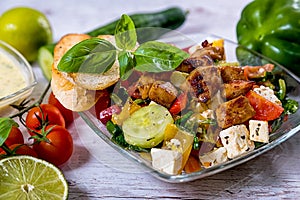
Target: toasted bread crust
[[71, 95], [78, 91]]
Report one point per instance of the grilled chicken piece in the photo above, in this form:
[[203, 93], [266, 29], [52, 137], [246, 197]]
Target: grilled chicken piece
[[144, 84], [230, 73], [215, 53], [204, 82], [191, 63], [233, 112], [163, 93], [202, 57], [236, 88]]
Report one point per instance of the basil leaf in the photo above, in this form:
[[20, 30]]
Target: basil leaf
[[93, 55], [126, 64], [156, 56], [5, 128], [125, 33]]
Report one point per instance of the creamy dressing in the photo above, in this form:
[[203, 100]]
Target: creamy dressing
[[11, 78]]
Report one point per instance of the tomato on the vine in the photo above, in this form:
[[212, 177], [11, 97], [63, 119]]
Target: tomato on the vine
[[15, 137], [67, 113], [54, 144], [20, 149], [45, 114]]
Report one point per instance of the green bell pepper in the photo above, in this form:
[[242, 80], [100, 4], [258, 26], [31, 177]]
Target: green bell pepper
[[272, 28]]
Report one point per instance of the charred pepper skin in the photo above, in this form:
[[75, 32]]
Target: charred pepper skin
[[272, 28]]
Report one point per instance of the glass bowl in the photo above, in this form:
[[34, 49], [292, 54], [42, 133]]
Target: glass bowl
[[234, 53], [17, 70]]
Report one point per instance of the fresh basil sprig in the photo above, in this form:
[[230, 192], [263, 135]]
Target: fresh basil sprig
[[92, 55], [126, 64], [125, 33], [97, 56], [156, 56]]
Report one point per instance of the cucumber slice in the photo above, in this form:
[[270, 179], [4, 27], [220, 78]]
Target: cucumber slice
[[145, 127], [45, 60]]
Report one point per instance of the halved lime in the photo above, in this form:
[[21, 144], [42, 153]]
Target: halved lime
[[26, 177]]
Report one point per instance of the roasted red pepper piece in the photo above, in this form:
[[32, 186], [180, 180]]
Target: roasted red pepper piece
[[179, 104]]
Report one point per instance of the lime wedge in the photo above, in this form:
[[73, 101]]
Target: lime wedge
[[26, 177]]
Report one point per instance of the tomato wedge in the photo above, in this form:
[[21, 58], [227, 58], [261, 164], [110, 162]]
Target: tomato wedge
[[265, 109]]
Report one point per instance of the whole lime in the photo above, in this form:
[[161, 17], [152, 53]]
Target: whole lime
[[26, 29]]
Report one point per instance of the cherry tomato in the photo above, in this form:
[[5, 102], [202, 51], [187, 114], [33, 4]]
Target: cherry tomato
[[15, 137], [56, 147], [265, 109], [67, 114], [50, 113], [22, 149], [103, 101]]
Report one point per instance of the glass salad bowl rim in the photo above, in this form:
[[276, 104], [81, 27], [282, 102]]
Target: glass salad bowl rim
[[99, 129]]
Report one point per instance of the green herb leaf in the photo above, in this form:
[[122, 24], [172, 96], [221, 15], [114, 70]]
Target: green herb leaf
[[125, 33], [156, 56], [126, 64], [290, 106], [93, 55], [5, 128]]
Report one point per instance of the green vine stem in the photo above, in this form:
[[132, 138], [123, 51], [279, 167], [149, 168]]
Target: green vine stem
[[37, 103], [6, 149]]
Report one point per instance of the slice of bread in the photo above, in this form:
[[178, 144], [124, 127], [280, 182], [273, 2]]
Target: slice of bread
[[78, 91], [70, 95], [86, 80]]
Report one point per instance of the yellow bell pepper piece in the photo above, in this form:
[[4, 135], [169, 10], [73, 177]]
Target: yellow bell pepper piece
[[186, 140], [218, 43]]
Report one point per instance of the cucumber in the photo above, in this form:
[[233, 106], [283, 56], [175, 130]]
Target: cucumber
[[145, 127], [168, 19], [45, 59], [164, 21]]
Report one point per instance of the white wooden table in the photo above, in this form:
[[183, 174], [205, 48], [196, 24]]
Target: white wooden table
[[95, 171]]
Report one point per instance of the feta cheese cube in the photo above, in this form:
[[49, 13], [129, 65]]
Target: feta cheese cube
[[167, 161], [267, 93], [236, 140], [259, 131], [174, 144], [208, 114], [217, 156]]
